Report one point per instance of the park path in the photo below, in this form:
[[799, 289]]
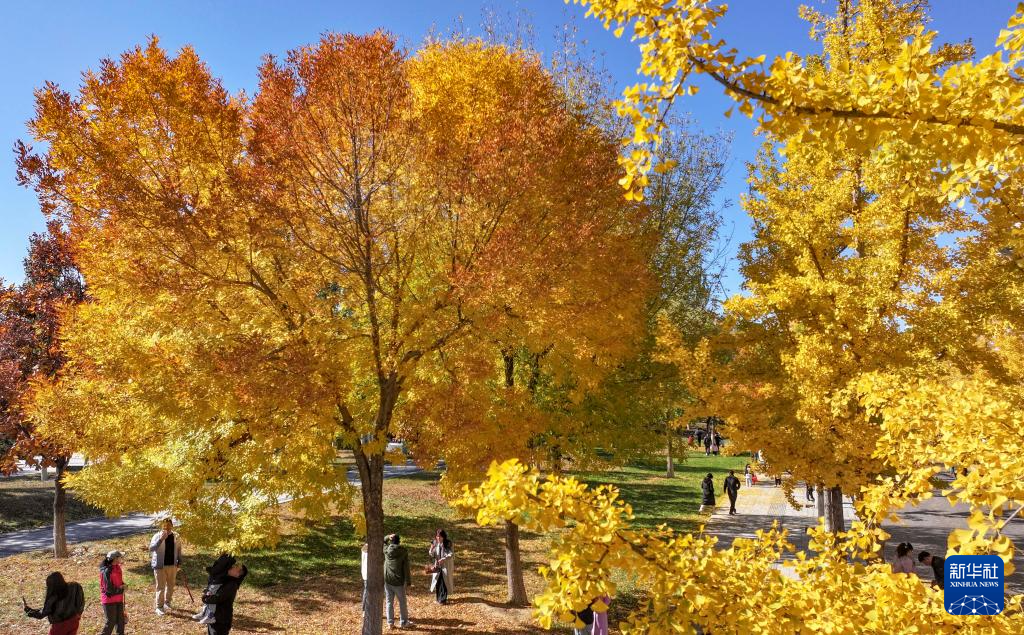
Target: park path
[[924, 526], [103, 528]]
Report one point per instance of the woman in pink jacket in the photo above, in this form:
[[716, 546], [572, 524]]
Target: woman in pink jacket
[[112, 593]]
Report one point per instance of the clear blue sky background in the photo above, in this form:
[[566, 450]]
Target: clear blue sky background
[[56, 41]]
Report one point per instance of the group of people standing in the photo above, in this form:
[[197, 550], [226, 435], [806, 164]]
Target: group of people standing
[[398, 574], [64, 602]]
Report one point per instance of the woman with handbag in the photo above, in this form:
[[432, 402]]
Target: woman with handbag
[[443, 569]]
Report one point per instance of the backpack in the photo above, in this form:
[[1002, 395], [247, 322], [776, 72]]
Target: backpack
[[71, 604]]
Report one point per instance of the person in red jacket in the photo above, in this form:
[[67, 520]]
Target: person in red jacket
[[112, 593]]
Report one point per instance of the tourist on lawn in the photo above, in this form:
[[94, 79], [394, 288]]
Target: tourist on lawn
[[443, 557], [937, 563], [224, 600], [748, 475], [165, 558], [397, 578], [810, 491], [601, 618], [587, 617], [904, 562], [217, 575], [112, 594], [62, 606], [732, 490], [707, 487], [708, 440]]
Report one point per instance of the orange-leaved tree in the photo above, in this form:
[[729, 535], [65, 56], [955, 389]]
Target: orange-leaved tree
[[31, 357], [275, 277]]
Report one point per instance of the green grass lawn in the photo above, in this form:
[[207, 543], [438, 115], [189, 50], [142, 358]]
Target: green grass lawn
[[26, 502], [658, 500]]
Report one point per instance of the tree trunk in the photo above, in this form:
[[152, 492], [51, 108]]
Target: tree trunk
[[513, 561], [43, 472], [834, 510], [371, 483], [60, 539], [514, 566], [820, 501], [371, 476], [670, 468]]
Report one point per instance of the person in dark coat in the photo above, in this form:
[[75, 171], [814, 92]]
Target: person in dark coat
[[707, 487], [938, 565], [63, 605], [732, 489], [224, 599]]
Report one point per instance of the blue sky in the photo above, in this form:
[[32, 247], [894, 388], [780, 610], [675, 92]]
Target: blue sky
[[56, 41]]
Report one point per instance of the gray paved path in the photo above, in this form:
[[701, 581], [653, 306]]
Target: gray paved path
[[925, 526], [102, 528]]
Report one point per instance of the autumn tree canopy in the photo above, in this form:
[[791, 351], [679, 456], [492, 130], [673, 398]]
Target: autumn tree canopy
[[278, 275]]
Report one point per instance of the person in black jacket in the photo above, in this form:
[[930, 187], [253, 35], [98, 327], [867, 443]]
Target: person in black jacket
[[938, 565], [63, 605], [224, 599], [732, 488], [707, 487]]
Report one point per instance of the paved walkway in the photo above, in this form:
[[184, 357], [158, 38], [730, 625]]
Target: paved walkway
[[925, 526], [102, 528], [759, 506]]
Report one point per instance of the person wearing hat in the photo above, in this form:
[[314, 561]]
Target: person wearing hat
[[112, 593], [165, 558], [223, 599]]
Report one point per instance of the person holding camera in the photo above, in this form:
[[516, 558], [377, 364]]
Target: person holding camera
[[397, 578]]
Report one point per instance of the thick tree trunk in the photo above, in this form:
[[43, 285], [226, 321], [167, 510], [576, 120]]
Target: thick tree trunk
[[513, 561], [834, 510], [60, 539], [371, 476], [43, 473], [670, 468], [371, 483], [514, 566], [820, 501]]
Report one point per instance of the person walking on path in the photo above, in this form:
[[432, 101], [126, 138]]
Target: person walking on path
[[707, 444], [112, 594], [732, 490], [748, 475], [397, 577], [707, 487], [938, 565], [224, 599], [904, 562], [810, 491], [165, 558], [443, 557], [62, 606]]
